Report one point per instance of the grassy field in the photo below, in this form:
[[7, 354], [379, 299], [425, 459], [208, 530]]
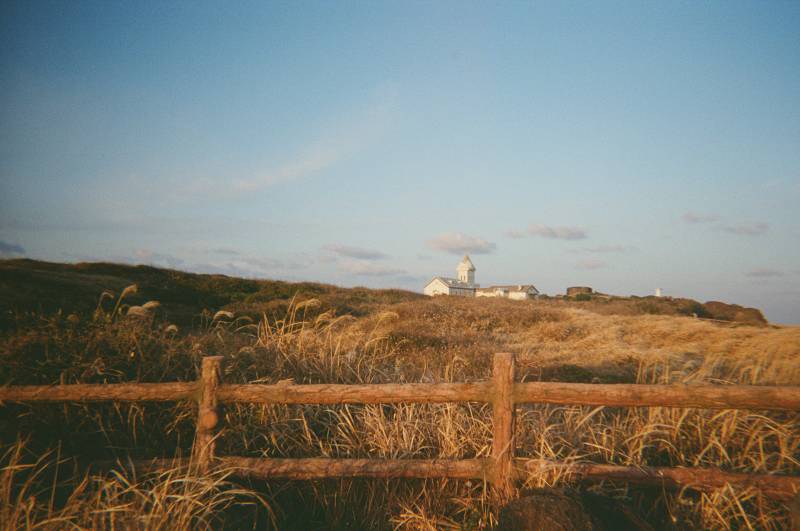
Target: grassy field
[[73, 324]]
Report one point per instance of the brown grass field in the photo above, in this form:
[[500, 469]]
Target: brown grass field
[[360, 336]]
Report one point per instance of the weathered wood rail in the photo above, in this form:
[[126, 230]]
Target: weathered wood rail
[[502, 468]]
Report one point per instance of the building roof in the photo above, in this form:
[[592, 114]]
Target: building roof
[[466, 262], [454, 283], [511, 288]]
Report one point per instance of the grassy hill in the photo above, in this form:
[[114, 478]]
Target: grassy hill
[[57, 327], [35, 286]]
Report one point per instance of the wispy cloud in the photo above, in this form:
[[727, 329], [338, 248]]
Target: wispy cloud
[[370, 269], [741, 229], [605, 249], [747, 229], [8, 250], [694, 217], [764, 272], [225, 251], [205, 262], [258, 267], [313, 159], [233, 269], [413, 281], [355, 252], [546, 231], [253, 267], [352, 134], [589, 265], [138, 217], [270, 264], [148, 257], [460, 243]]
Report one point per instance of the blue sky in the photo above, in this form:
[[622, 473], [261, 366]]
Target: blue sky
[[622, 145]]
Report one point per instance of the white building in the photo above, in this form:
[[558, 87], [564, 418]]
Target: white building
[[516, 292], [465, 286]]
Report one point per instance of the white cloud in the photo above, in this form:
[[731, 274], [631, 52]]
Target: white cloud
[[747, 229], [8, 250], [546, 231], [764, 272], [605, 249], [226, 251], [315, 158], [589, 265], [253, 267], [148, 257], [357, 130], [694, 217], [370, 269], [460, 243], [355, 252], [233, 265]]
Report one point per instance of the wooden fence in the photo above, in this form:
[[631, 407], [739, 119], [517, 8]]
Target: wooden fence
[[501, 469]]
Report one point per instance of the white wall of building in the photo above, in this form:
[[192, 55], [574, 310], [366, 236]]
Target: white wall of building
[[436, 287]]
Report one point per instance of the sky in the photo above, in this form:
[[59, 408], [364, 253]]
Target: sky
[[620, 145]]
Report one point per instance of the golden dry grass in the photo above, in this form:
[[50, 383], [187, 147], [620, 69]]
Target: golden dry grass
[[175, 498], [430, 340]]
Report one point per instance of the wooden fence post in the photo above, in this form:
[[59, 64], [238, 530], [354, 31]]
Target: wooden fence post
[[503, 425], [207, 412]]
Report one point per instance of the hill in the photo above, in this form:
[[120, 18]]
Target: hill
[[273, 332], [36, 286]]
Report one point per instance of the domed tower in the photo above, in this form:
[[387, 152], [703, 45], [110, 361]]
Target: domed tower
[[466, 270]]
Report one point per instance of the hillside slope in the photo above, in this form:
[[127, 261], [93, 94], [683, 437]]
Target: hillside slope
[[369, 336], [36, 286]]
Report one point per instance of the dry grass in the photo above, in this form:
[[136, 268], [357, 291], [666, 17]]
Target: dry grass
[[48, 492], [430, 340]]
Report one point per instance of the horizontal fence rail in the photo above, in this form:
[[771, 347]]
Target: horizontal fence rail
[[703, 396], [502, 469], [355, 394], [124, 392], [702, 479], [672, 395]]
